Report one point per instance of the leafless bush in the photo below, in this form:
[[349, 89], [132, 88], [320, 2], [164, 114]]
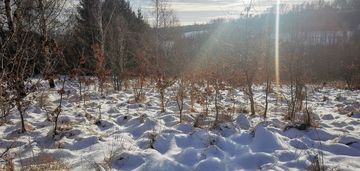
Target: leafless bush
[[317, 163], [200, 120], [138, 89], [7, 159], [43, 99], [16, 81], [143, 69], [5, 104], [180, 95], [161, 84], [194, 94], [43, 161], [295, 103], [219, 109], [77, 74], [101, 71], [56, 113], [351, 76]]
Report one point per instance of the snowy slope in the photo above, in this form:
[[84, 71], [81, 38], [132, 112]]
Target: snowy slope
[[139, 137]]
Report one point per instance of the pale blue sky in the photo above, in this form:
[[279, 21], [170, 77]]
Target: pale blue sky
[[201, 11]]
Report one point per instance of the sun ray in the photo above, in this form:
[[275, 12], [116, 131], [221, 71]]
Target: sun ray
[[277, 47]]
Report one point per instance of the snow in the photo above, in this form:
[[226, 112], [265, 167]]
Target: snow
[[266, 141], [356, 115], [194, 33], [243, 122], [136, 136], [211, 163]]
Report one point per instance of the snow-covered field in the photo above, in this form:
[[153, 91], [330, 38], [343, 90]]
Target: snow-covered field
[[135, 136]]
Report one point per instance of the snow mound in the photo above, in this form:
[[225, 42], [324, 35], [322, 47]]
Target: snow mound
[[254, 161], [211, 163], [320, 135], [266, 140], [350, 141], [243, 121], [138, 137], [185, 128], [188, 156], [347, 140], [84, 143], [127, 161], [328, 117], [113, 110], [356, 115]]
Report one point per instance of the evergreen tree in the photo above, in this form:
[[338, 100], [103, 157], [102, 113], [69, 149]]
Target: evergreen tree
[[88, 30], [113, 25], [122, 29]]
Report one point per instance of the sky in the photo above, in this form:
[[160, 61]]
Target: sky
[[202, 11]]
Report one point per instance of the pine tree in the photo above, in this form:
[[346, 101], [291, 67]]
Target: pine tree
[[88, 30], [123, 29]]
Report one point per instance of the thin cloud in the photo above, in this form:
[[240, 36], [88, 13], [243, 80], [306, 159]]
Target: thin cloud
[[201, 11]]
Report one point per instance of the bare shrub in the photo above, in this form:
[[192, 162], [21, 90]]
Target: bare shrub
[[7, 158], [56, 113], [42, 100], [43, 161], [5, 104], [161, 84], [100, 70], [317, 163], [180, 95], [77, 74], [200, 120], [138, 89], [194, 94], [205, 97]]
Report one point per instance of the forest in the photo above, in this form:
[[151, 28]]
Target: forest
[[98, 85]]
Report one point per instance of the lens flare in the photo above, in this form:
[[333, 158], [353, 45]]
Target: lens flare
[[277, 30]]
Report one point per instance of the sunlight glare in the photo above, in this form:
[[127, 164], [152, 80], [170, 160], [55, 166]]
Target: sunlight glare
[[277, 29]]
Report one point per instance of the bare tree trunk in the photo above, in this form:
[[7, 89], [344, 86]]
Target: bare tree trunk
[[192, 96], [207, 90], [267, 90], [21, 112], [45, 48], [181, 116], [250, 93], [58, 110], [249, 78], [162, 99], [252, 102], [293, 95], [180, 98], [8, 16], [157, 10], [268, 71], [308, 118], [216, 104], [180, 102]]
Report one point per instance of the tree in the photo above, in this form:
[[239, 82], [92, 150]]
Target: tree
[[18, 53], [89, 30], [164, 21], [123, 36], [49, 11], [248, 58]]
